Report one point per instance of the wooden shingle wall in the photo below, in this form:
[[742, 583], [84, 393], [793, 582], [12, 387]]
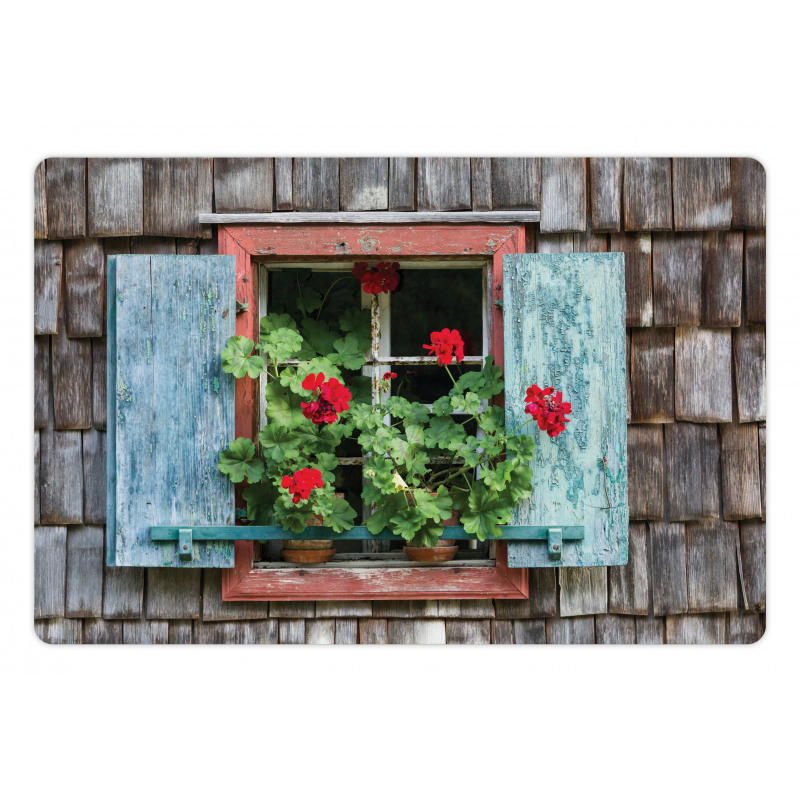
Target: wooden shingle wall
[[693, 233]]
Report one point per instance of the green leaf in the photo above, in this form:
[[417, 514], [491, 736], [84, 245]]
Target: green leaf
[[444, 432], [427, 535], [274, 322], [441, 407], [416, 466], [318, 335], [492, 379], [519, 484], [520, 448], [492, 419], [469, 451], [308, 299], [486, 511], [469, 403], [283, 407], [342, 516], [237, 360], [357, 321], [437, 506], [238, 462], [260, 499], [468, 380], [496, 478], [385, 508], [418, 414], [282, 344], [349, 352], [397, 406], [407, 522], [415, 436], [279, 444], [366, 417]]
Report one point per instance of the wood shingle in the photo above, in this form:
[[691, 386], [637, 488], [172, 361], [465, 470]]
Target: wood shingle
[[712, 571], [691, 471], [629, 586], [605, 194], [243, 185], [755, 277], [364, 184], [443, 184], [749, 190], [652, 375], [401, 184], [741, 485], [637, 248], [516, 183], [66, 198], [722, 279], [645, 471], [175, 192], [315, 184], [84, 284], [668, 556], [701, 189], [563, 195], [647, 194], [677, 278], [84, 584], [750, 371], [115, 197], [753, 539], [703, 387], [481, 183]]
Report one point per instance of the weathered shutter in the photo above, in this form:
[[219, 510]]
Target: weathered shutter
[[170, 406], [564, 326]]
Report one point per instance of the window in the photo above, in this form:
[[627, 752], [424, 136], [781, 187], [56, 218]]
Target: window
[[430, 255], [432, 295]]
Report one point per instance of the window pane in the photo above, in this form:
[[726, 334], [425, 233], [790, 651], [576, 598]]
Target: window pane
[[431, 299], [285, 285], [427, 382]]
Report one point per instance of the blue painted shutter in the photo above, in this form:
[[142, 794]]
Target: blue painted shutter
[[170, 406], [564, 326]]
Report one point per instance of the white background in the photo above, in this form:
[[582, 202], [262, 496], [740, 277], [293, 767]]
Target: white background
[[413, 79]]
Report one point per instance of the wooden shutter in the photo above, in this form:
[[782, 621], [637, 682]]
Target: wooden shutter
[[564, 326], [170, 406]]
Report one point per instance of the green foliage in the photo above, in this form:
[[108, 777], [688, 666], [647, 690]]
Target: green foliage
[[485, 512], [237, 360], [281, 345], [349, 352], [238, 461], [421, 467]]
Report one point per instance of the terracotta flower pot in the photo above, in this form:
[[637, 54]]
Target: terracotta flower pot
[[443, 550], [309, 551]]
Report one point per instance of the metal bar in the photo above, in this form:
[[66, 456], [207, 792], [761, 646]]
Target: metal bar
[[368, 217], [167, 533]]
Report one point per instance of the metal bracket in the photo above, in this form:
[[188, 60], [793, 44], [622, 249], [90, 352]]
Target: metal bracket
[[185, 544], [554, 543]]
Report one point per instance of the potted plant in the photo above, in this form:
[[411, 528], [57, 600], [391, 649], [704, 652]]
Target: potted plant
[[427, 472]]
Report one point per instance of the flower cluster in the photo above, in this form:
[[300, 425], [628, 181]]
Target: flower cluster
[[384, 277], [330, 399], [446, 344], [302, 483], [548, 409]]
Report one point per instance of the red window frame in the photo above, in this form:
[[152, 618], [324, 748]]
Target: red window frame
[[253, 243]]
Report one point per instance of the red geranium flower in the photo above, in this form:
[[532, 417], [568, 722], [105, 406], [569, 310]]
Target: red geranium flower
[[548, 409], [330, 399], [387, 376], [384, 277], [445, 345], [312, 382], [302, 483]]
